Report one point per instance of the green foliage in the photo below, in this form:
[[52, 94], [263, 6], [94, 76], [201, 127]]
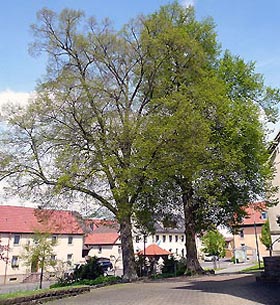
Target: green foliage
[[88, 282], [89, 271], [39, 252], [214, 243], [257, 267], [265, 237], [171, 265]]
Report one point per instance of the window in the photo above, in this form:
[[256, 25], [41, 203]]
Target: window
[[183, 253], [99, 250], [163, 238], [69, 258], [182, 238], [157, 237], [170, 238], [176, 238], [137, 239], [176, 251], [264, 215], [16, 239], [170, 250], [54, 239], [70, 240], [53, 258], [14, 261], [119, 249], [241, 233]]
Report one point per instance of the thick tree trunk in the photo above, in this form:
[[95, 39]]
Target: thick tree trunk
[[193, 265], [129, 267]]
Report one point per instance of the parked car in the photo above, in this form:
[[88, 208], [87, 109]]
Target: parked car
[[105, 264], [210, 258]]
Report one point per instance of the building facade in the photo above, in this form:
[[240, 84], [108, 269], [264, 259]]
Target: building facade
[[18, 226], [247, 234], [274, 212]]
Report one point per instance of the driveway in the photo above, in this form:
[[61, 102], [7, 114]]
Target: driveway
[[224, 289]]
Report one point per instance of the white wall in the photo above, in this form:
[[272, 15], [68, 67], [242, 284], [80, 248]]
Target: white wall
[[18, 273]]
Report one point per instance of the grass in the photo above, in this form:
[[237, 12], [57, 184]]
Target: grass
[[26, 293], [254, 268]]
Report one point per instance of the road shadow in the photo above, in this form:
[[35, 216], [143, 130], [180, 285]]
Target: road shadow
[[242, 286]]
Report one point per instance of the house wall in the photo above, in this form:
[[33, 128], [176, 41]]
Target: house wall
[[249, 240], [172, 242], [10, 274], [274, 212], [112, 252]]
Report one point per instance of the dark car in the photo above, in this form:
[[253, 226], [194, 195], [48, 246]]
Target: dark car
[[105, 264]]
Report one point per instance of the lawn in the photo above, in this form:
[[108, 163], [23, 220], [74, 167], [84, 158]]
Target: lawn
[[254, 268]]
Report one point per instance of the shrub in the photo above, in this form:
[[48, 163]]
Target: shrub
[[100, 280], [90, 271], [172, 266]]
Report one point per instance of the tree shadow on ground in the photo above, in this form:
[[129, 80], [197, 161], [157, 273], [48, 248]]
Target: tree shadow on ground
[[245, 287]]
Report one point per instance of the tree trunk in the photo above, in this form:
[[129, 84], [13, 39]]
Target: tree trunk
[[192, 265], [129, 267], [41, 276]]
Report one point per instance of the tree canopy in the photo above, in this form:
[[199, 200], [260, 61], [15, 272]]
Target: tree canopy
[[214, 243], [40, 254], [265, 237]]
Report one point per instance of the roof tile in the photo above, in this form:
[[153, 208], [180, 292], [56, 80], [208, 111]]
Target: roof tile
[[15, 219]]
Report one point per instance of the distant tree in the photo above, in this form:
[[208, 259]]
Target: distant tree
[[265, 237], [214, 243], [40, 254]]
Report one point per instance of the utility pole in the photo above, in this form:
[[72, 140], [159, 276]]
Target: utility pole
[[257, 243]]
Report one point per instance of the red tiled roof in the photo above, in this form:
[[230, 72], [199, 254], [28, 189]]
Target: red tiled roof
[[101, 238], [104, 232], [154, 250], [103, 225], [14, 219], [254, 213]]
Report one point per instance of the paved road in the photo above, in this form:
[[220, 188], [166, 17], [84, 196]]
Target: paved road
[[234, 289]]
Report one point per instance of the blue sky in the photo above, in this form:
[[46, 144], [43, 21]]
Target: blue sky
[[248, 28]]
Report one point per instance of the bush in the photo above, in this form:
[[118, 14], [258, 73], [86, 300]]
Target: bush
[[90, 271], [142, 267], [100, 280], [172, 266]]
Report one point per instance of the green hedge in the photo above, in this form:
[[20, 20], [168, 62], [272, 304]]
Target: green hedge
[[100, 280]]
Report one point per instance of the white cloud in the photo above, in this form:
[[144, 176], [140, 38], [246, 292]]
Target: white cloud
[[12, 97], [187, 3]]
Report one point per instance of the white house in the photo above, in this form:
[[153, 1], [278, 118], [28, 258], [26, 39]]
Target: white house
[[17, 228], [171, 239]]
